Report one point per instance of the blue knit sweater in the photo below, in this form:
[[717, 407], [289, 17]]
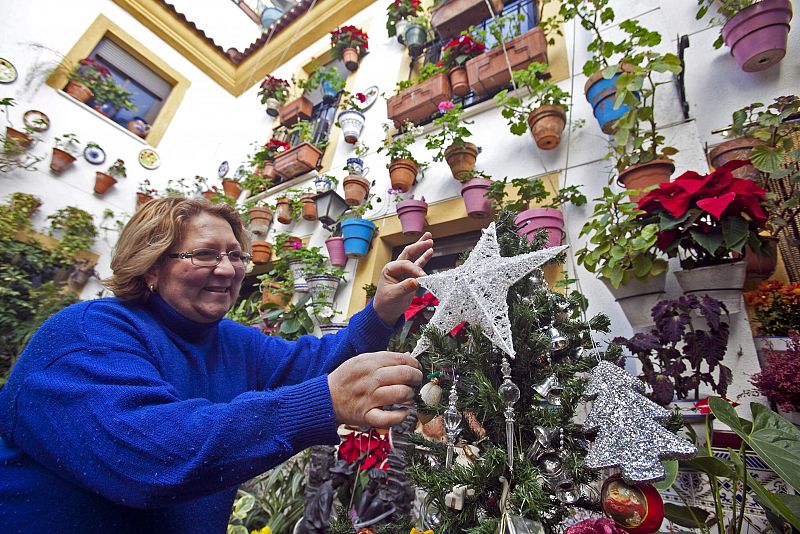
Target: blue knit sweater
[[122, 417]]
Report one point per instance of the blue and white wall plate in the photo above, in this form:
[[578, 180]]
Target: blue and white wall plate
[[94, 154]]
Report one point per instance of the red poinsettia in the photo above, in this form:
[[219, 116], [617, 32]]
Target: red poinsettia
[[707, 216], [349, 37], [459, 50], [273, 87], [368, 448]]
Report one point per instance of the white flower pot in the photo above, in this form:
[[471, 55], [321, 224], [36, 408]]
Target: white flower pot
[[299, 283], [637, 298], [723, 282], [352, 123], [323, 289], [273, 105], [332, 328]]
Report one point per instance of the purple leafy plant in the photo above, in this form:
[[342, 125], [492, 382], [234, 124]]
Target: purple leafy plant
[[680, 352]]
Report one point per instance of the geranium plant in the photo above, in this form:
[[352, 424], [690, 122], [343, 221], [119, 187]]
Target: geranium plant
[[396, 147], [273, 87], [349, 100], [117, 169], [776, 307], [146, 188], [704, 219], [452, 130], [90, 73], [400, 10], [459, 50], [349, 37], [677, 356], [268, 152], [778, 380]]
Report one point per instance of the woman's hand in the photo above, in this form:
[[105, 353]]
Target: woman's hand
[[396, 286], [363, 385]]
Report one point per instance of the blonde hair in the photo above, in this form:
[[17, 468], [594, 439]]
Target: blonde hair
[[151, 232]]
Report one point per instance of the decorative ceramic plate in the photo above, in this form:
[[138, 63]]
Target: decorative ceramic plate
[[8, 72], [372, 95], [94, 154], [36, 120], [149, 159], [223, 169], [240, 172]]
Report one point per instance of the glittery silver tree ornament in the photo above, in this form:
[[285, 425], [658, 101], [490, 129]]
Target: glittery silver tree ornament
[[476, 291], [452, 422], [557, 340], [509, 392], [629, 435]]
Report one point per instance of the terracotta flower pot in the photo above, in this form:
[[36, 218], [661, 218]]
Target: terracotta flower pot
[[283, 211], [309, 207], [546, 124], [489, 71], [355, 189], [142, 199], [757, 35], [262, 252], [461, 159], [419, 102], [402, 173], [644, 175], [532, 220], [458, 81], [232, 189], [298, 160], [20, 139], [267, 170], [103, 182], [336, 254], [350, 58], [61, 160], [260, 215], [412, 216], [474, 194], [299, 109], [272, 297], [732, 150], [208, 195], [78, 91]]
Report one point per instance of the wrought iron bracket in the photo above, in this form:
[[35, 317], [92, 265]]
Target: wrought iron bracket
[[680, 79]]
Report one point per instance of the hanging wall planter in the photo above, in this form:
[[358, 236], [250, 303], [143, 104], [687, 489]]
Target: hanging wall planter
[[299, 109], [352, 124], [474, 194], [79, 92], [103, 182], [142, 199], [262, 252], [461, 159], [273, 106], [758, 34], [637, 298], [419, 102], [231, 188], [546, 124], [402, 173], [297, 160], [20, 139], [260, 219], [357, 234], [732, 150], [267, 170], [723, 282], [299, 283], [350, 58], [532, 220], [459, 82], [273, 296], [61, 160], [283, 209], [489, 71], [644, 175], [412, 216], [415, 38], [309, 207], [601, 94], [450, 17], [336, 254], [322, 289], [761, 267], [355, 189]]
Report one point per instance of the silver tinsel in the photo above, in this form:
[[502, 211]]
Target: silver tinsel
[[476, 291], [629, 434]]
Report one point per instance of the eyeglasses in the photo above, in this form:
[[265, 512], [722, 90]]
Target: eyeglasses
[[208, 257]]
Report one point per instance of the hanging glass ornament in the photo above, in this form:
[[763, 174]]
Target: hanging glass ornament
[[431, 393], [537, 279], [452, 422], [635, 507], [509, 393]]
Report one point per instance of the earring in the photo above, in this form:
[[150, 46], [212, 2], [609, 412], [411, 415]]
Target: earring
[[152, 288]]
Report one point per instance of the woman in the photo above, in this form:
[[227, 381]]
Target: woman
[[144, 412]]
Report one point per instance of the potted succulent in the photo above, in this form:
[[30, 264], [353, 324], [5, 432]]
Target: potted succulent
[[755, 31], [84, 78], [302, 157], [145, 192], [544, 112], [65, 152], [704, 220], [109, 98], [454, 59], [273, 93], [490, 70], [775, 307], [622, 250], [418, 99], [396, 14], [410, 212], [777, 380], [403, 166], [351, 119], [684, 350], [350, 45], [449, 140], [105, 180], [450, 17]]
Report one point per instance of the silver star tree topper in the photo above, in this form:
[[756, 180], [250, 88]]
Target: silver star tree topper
[[476, 291]]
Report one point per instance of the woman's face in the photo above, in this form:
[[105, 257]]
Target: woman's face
[[202, 294]]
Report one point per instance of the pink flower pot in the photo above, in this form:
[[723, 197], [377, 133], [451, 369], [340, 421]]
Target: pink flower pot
[[757, 35], [530, 221], [336, 255], [474, 194], [412, 216]]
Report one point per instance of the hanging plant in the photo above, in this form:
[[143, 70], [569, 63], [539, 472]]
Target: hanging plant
[[349, 44]]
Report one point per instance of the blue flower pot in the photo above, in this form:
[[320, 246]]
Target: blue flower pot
[[601, 94], [329, 92], [357, 235], [270, 15]]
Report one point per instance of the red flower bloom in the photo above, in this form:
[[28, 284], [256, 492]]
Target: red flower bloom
[[702, 405], [370, 448]]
